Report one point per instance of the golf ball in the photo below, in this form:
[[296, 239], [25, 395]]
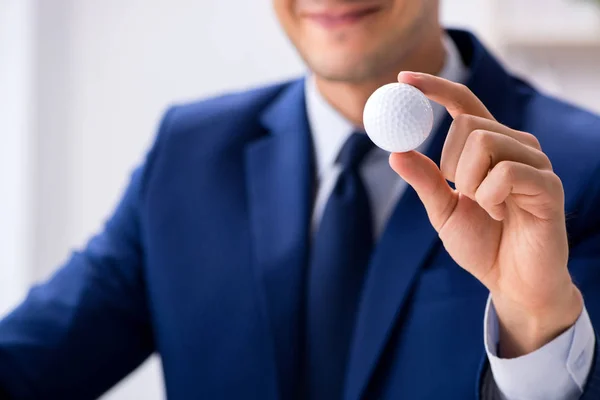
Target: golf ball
[[398, 117]]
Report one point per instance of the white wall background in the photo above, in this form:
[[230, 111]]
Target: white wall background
[[16, 140], [84, 82]]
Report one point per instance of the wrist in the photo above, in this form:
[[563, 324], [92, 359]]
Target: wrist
[[523, 330]]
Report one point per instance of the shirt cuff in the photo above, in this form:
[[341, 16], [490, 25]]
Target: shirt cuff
[[556, 371]]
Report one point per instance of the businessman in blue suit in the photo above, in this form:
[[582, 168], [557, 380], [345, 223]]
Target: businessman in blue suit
[[266, 250]]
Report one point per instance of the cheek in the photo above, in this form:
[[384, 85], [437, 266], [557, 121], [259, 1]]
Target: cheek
[[284, 11]]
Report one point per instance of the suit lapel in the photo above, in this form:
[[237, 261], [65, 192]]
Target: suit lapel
[[279, 181], [409, 239]]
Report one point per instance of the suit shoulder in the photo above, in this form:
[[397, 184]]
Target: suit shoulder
[[205, 132], [567, 133], [570, 136], [239, 107], [562, 126]]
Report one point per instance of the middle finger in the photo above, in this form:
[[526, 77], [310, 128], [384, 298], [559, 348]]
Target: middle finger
[[459, 133], [483, 150]]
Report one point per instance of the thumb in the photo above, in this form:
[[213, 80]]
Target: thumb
[[426, 178]]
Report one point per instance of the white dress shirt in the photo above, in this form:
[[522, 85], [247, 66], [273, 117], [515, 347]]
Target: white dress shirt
[[558, 370]]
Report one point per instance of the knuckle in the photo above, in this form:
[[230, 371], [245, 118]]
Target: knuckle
[[482, 197], [468, 122], [539, 159], [531, 140], [464, 89], [482, 139], [554, 191], [465, 121], [459, 101], [554, 182], [505, 169], [545, 160]]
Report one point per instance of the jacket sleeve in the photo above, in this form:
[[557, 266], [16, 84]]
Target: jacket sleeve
[[592, 387], [88, 326], [585, 268]]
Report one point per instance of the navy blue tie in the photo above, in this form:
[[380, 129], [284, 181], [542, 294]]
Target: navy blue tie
[[339, 257]]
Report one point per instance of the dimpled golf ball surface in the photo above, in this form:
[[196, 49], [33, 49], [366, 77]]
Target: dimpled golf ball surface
[[398, 117]]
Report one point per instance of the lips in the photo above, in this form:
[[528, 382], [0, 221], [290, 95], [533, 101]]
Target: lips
[[333, 19]]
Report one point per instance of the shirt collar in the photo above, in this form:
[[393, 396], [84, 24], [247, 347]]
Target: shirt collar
[[330, 129]]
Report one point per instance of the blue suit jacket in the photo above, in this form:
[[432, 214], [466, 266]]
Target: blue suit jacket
[[204, 258]]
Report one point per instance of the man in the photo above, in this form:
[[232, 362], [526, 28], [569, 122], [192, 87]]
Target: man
[[266, 250]]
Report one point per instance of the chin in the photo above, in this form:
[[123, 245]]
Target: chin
[[340, 74], [345, 66]]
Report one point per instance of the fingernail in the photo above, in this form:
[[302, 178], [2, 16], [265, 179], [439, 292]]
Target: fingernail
[[409, 74]]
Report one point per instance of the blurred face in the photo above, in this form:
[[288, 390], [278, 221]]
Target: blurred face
[[355, 40]]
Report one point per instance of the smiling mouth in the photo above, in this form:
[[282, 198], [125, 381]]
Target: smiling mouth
[[331, 19]]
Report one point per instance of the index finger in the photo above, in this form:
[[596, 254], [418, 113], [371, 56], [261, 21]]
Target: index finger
[[458, 99]]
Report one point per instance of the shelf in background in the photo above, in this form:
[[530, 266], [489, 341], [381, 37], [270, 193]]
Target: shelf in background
[[547, 24], [576, 42]]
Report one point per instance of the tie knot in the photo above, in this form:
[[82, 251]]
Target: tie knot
[[354, 150]]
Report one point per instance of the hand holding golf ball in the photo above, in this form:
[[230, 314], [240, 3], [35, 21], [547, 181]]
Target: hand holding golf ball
[[504, 223]]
